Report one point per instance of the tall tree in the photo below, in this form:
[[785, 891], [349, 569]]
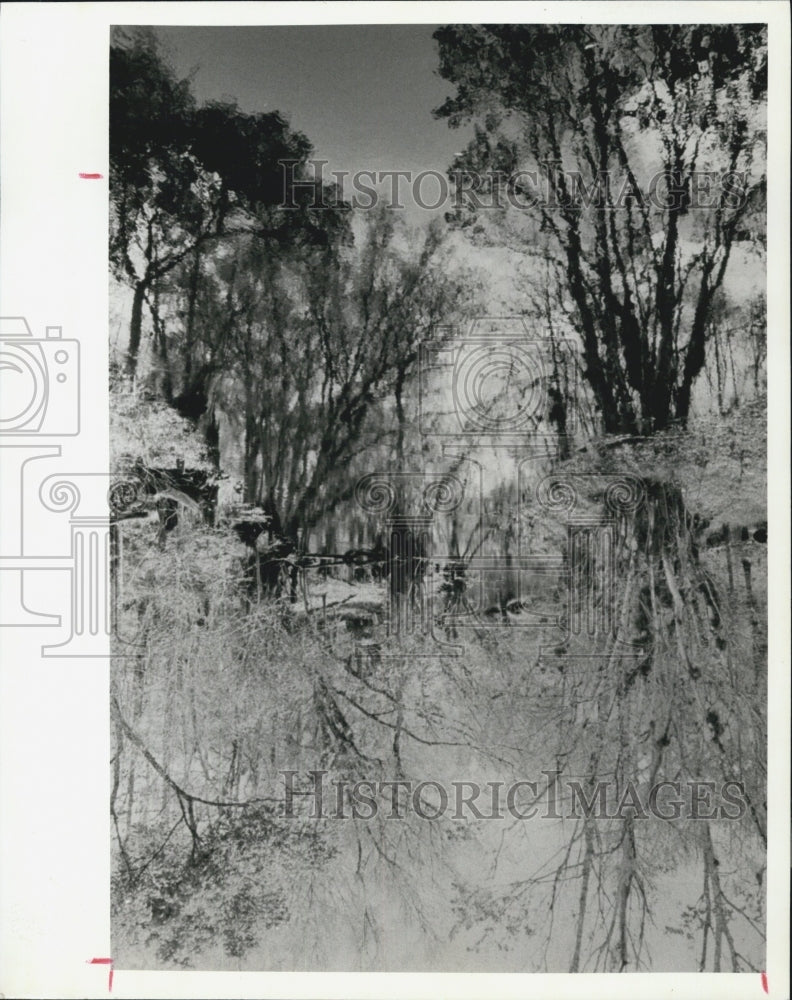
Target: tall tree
[[321, 339], [629, 159], [184, 179], [161, 201], [572, 119]]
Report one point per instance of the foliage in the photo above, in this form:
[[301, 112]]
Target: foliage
[[185, 178], [315, 347], [589, 110], [223, 698], [146, 428], [301, 332]]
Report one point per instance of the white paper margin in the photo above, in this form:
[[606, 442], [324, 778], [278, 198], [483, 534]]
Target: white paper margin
[[54, 716]]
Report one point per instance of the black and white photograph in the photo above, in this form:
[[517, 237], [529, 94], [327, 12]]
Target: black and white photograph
[[441, 532], [429, 583]]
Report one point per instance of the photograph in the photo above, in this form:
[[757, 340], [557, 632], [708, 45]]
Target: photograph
[[438, 406], [394, 555]]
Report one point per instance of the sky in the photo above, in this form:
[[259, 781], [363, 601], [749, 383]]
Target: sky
[[362, 94]]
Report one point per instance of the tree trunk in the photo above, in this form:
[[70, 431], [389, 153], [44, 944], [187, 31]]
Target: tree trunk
[[400, 418], [192, 299], [252, 444], [212, 438], [136, 328]]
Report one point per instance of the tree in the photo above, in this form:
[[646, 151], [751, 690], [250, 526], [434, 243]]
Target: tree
[[184, 181], [567, 121], [580, 111], [321, 338], [161, 203]]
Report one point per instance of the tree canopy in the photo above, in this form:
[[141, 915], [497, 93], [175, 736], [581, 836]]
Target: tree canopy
[[644, 146]]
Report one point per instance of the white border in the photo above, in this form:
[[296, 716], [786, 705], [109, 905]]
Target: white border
[[55, 730]]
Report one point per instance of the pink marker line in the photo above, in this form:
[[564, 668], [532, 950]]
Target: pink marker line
[[104, 961], [91, 177]]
